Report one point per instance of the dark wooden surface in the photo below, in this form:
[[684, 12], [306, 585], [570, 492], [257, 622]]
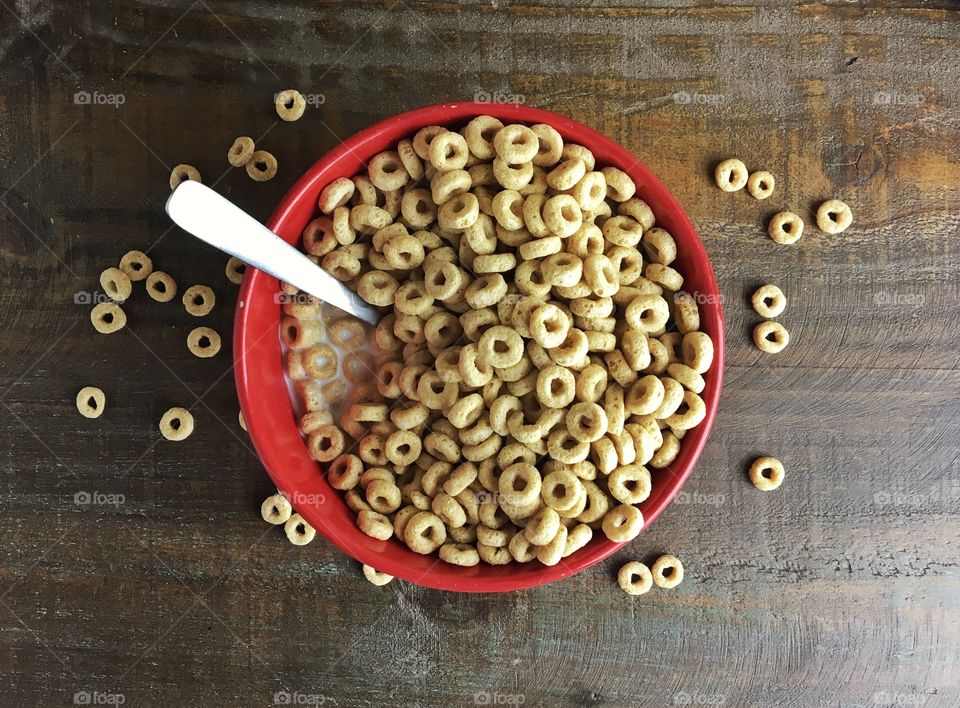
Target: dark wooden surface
[[840, 589]]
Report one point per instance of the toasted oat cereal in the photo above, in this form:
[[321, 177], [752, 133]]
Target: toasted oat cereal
[[176, 424], [262, 166], [766, 473], [241, 151], [769, 301], [199, 300], [182, 173], [91, 402], [276, 509], [833, 216], [203, 342], [137, 265], [375, 576], [234, 270], [667, 572], [771, 337], [731, 175], [161, 286], [290, 105], [785, 227], [108, 317], [761, 184], [116, 284], [635, 578], [298, 531]]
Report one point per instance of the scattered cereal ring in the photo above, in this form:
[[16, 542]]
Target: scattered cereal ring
[[768, 301], [785, 227], [375, 576], [766, 473], [161, 286], [761, 184], [770, 337], [731, 175], [241, 151], [183, 173], [176, 424], [116, 284], [91, 402], [262, 166], [276, 509], [199, 300], [833, 216], [108, 317], [234, 270], [203, 342], [290, 104], [137, 265], [667, 572], [635, 578], [298, 531]]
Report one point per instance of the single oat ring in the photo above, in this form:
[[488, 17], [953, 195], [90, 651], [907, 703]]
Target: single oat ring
[[537, 362]]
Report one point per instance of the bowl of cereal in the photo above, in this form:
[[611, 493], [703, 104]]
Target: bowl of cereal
[[548, 365]]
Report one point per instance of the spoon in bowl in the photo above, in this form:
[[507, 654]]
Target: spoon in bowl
[[200, 211]]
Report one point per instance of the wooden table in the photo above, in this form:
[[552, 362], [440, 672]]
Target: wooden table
[[840, 589]]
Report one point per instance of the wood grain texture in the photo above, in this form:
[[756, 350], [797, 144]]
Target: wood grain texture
[[838, 590]]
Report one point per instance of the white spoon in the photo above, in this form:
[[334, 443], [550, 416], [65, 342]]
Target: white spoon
[[208, 216]]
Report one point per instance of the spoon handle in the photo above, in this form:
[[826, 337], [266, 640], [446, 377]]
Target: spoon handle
[[210, 217]]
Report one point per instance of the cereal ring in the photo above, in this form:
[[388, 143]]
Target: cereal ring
[[325, 443], [659, 246], [645, 396], [108, 317], [689, 414], [629, 484], [91, 402], [183, 173], [667, 572], [565, 175], [513, 176], [731, 175], [486, 291], [552, 552], [203, 342], [442, 279], [577, 537], [833, 216], [760, 185], [500, 346], [556, 386], [766, 473], [386, 171], [461, 554], [336, 194], [137, 265], [116, 284], [638, 210], [549, 326], [697, 351], [300, 334], [572, 350], [460, 212], [769, 301], [234, 270], [647, 313], [347, 332], [549, 145], [199, 300], [479, 134], [290, 105], [344, 472], [590, 192], [383, 495], [276, 509], [240, 152], [688, 377], [785, 227], [410, 160], [424, 533], [562, 215], [541, 248], [667, 452], [635, 350], [562, 269], [620, 187], [770, 337], [493, 555], [672, 398], [298, 531], [423, 137], [573, 151], [663, 276], [600, 275], [516, 144], [448, 151], [622, 523], [635, 578], [375, 577], [176, 424], [586, 421], [446, 185], [262, 166], [686, 314], [376, 525]]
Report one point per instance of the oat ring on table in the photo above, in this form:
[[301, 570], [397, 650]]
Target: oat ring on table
[[375, 577], [834, 216], [771, 337], [276, 509], [91, 402], [116, 284], [199, 300], [262, 166], [766, 473], [667, 571], [769, 301], [298, 531], [731, 175], [761, 184], [203, 342], [290, 104], [240, 152], [635, 578], [785, 227], [176, 424], [108, 317]]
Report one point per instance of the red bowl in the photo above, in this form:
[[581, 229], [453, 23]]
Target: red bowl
[[269, 413]]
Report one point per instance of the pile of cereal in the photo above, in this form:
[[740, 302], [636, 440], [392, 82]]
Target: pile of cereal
[[537, 351]]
